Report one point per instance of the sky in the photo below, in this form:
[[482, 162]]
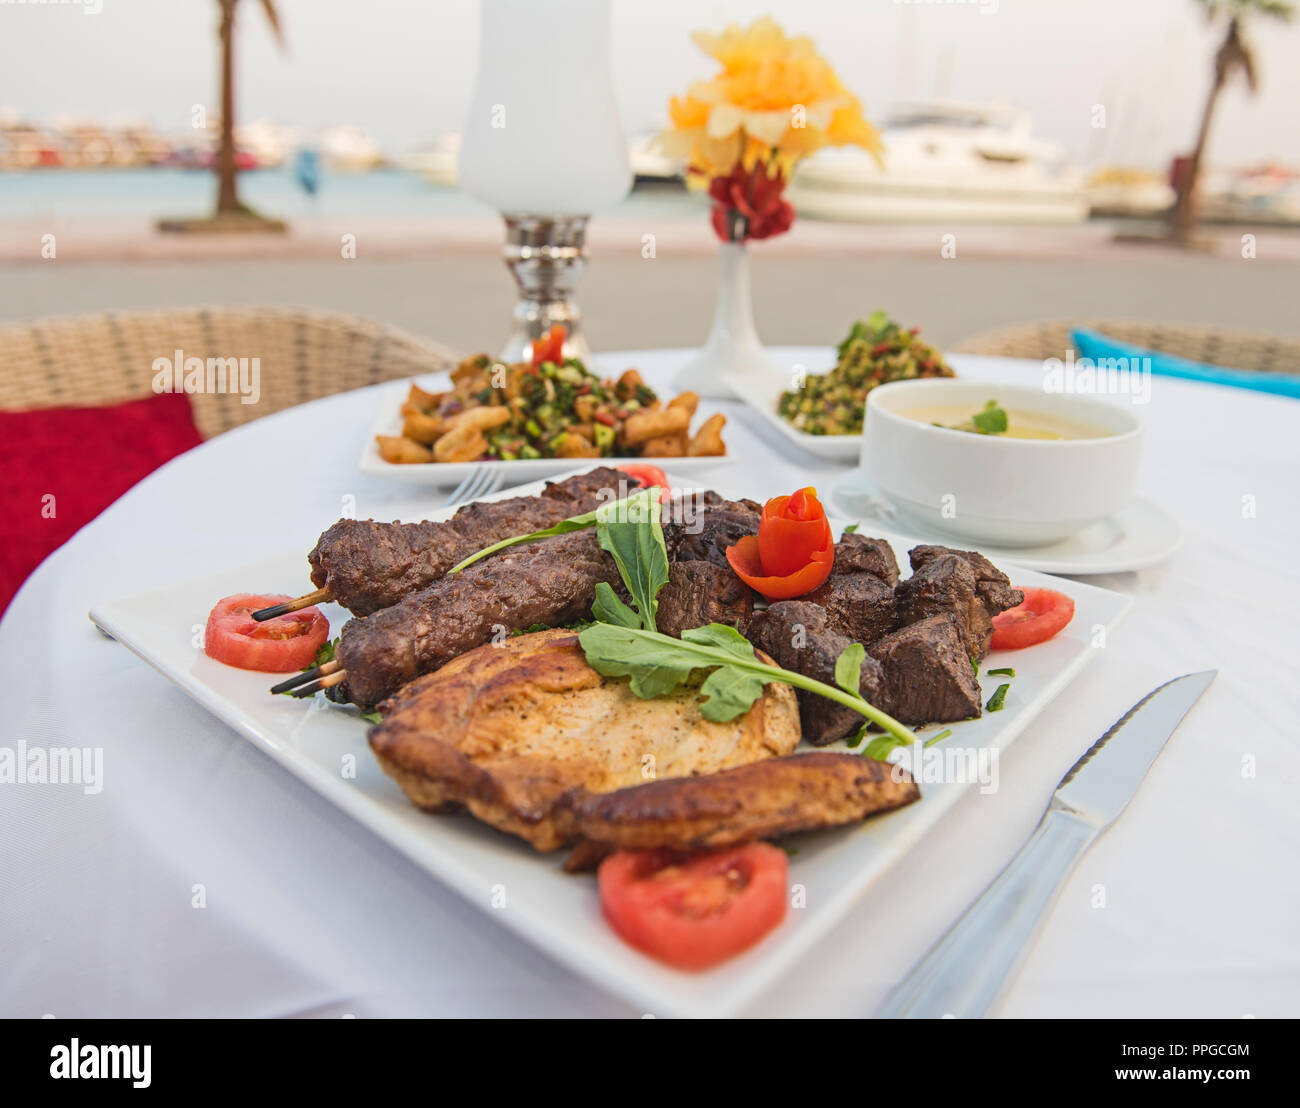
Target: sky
[[402, 69]]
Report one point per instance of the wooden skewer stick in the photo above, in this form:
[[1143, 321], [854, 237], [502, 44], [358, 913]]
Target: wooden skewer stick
[[319, 596], [306, 675], [329, 681]]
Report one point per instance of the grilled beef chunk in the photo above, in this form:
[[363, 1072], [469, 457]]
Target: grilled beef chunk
[[856, 552], [800, 637], [704, 534], [549, 582], [946, 586], [992, 585], [700, 592], [858, 604], [928, 676], [369, 565]]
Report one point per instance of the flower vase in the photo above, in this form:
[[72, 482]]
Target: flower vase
[[732, 351]]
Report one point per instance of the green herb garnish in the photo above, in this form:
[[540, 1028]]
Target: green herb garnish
[[573, 523], [660, 664], [937, 738], [852, 528], [991, 420], [997, 699], [324, 653], [372, 717], [882, 746], [1008, 672], [632, 532]]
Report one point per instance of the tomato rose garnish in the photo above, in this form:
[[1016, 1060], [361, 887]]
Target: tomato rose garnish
[[277, 645], [793, 530], [745, 561], [694, 910], [793, 551]]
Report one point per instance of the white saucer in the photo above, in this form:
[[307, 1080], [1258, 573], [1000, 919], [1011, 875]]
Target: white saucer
[[1142, 535]]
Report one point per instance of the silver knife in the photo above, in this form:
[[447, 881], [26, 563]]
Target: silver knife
[[968, 969]]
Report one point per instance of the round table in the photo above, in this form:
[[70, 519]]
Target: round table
[[205, 880]]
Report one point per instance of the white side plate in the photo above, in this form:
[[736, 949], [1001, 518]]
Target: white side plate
[[762, 397], [558, 913]]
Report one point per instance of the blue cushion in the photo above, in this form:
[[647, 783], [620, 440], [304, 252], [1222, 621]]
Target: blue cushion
[[1092, 345]]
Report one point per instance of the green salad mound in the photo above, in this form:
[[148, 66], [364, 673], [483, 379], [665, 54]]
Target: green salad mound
[[876, 351]]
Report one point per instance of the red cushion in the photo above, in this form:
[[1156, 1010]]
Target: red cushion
[[61, 467]]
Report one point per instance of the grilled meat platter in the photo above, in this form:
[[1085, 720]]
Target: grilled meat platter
[[639, 678]]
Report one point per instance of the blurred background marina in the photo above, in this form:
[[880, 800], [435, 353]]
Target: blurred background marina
[[1042, 137]]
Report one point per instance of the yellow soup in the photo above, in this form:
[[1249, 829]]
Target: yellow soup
[[1020, 425]]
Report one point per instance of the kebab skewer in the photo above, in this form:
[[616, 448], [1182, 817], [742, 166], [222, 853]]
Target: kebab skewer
[[550, 582], [366, 566]]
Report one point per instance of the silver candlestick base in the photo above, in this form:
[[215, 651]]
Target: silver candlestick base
[[546, 254]]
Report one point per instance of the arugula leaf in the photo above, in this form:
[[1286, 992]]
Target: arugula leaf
[[573, 523], [882, 746], [655, 667], [372, 717], [723, 636], [848, 668], [658, 664], [632, 532], [729, 692], [608, 608]]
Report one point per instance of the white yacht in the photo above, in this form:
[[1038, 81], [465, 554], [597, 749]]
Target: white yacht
[[945, 159]]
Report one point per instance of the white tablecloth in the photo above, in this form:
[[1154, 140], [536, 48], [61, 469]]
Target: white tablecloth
[[308, 914]]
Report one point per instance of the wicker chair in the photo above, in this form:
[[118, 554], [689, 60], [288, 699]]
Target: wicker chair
[[106, 359], [1051, 339]]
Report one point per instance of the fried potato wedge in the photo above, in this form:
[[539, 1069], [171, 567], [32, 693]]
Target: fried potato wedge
[[402, 451], [707, 441], [643, 426]]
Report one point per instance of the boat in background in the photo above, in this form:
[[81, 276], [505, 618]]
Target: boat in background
[[651, 166], [437, 162], [1127, 193], [945, 159]]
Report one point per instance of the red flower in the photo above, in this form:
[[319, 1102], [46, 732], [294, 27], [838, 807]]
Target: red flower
[[750, 205]]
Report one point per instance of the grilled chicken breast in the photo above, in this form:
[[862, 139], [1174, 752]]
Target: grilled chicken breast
[[803, 792], [511, 729]]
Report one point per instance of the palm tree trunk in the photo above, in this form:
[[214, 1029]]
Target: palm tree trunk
[[227, 193], [1182, 216]]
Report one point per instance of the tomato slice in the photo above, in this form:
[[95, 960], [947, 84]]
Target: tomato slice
[[550, 347], [693, 911], [748, 564], [277, 645], [648, 475], [1043, 613]]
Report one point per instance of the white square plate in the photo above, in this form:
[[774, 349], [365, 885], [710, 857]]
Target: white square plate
[[389, 422], [526, 891], [762, 394]]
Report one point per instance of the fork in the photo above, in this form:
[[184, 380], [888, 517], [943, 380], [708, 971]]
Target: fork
[[482, 480]]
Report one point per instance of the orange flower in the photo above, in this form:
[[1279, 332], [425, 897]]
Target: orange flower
[[774, 101]]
